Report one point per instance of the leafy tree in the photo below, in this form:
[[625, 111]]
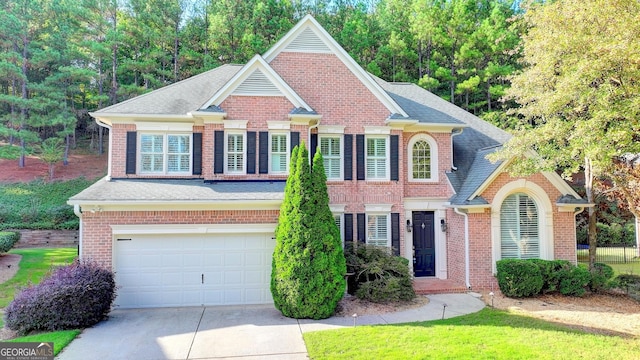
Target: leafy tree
[[52, 152], [580, 90], [308, 268]]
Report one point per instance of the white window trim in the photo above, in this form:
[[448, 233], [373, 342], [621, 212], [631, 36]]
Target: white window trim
[[341, 138], [387, 158], [226, 152], [165, 153], [288, 151], [545, 217], [433, 147], [388, 218]]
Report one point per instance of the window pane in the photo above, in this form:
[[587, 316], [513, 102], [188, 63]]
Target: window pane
[[421, 160], [151, 153], [376, 158], [279, 153], [330, 150], [377, 230], [179, 153], [519, 229], [235, 153]]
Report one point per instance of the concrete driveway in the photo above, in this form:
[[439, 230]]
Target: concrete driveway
[[239, 332]]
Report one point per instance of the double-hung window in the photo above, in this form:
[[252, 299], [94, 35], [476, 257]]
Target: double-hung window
[[331, 149], [236, 149], [279, 153], [376, 158], [378, 230], [519, 228], [165, 153]]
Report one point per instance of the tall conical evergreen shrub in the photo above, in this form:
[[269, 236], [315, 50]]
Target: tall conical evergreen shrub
[[308, 266]]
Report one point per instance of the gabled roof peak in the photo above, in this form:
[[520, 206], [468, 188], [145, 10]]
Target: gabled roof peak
[[309, 36], [257, 78]]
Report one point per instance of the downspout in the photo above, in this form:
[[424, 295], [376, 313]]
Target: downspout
[[76, 210], [104, 125], [454, 133], [466, 246]]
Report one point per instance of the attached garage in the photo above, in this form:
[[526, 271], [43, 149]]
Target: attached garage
[[200, 266]]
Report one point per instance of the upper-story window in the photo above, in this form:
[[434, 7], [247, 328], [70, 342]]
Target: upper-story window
[[376, 157], [422, 158], [279, 153], [331, 150], [236, 149], [165, 153]]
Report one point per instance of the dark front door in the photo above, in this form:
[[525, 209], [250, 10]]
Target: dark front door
[[424, 251]]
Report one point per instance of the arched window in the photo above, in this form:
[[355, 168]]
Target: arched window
[[423, 158], [519, 228]]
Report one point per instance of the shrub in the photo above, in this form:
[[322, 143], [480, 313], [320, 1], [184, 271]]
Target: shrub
[[308, 267], [552, 273], [630, 283], [59, 214], [74, 296], [601, 276], [378, 275], [519, 278], [575, 281], [7, 240]]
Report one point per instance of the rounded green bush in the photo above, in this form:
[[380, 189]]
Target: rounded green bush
[[601, 275], [575, 281], [519, 278]]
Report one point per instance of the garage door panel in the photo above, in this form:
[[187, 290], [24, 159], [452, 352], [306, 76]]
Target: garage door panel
[[193, 270]]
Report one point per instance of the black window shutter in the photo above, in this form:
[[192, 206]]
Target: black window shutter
[[395, 233], [394, 139], [197, 154], [360, 157], [295, 140], [251, 152], [263, 152], [348, 157], [348, 227], [362, 235], [314, 146], [132, 138], [218, 152]]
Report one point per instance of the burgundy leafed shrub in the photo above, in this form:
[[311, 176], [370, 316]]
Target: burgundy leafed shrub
[[71, 297]]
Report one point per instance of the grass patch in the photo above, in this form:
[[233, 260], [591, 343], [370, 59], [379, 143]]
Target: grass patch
[[34, 265], [39, 205], [60, 339], [487, 334]]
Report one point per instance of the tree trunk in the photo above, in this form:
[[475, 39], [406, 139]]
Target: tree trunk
[[592, 229], [23, 152]]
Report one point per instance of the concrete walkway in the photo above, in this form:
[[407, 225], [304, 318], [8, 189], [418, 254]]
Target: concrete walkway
[[238, 332]]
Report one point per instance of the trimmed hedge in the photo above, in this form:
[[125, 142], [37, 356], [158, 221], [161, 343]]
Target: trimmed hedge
[[601, 276], [630, 283], [524, 278], [71, 297], [519, 278], [7, 240], [378, 275]]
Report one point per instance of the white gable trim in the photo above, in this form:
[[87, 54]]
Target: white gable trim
[[257, 63], [308, 22]]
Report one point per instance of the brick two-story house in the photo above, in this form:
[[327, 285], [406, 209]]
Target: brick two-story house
[[187, 212]]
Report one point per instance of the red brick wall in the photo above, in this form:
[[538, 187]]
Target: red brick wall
[[455, 247], [97, 239], [441, 188], [119, 149]]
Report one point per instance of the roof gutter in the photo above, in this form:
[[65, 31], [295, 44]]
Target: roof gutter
[[107, 126], [454, 133], [466, 246]]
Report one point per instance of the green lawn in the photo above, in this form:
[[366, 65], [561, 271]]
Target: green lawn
[[34, 265], [60, 339], [488, 334]]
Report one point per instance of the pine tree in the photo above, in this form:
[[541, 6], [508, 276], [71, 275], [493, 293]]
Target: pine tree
[[308, 267]]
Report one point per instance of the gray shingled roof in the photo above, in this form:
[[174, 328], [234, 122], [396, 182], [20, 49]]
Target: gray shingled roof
[[145, 190], [478, 172], [178, 98]]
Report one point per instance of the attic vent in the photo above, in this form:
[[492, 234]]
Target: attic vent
[[307, 41], [257, 84]]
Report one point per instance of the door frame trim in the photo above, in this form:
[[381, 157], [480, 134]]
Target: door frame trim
[[440, 238]]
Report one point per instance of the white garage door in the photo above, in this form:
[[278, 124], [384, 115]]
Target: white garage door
[[193, 270]]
